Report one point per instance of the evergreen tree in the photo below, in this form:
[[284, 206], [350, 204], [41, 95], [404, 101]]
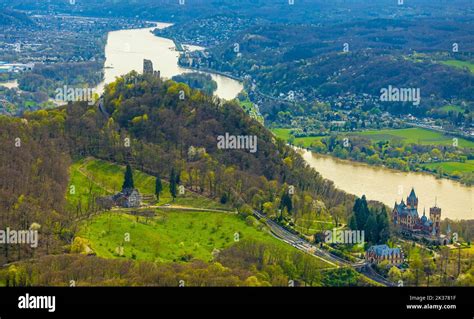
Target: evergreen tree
[[173, 185], [158, 187], [353, 223], [383, 226], [178, 177], [224, 198], [371, 230], [361, 212], [286, 202], [128, 179]]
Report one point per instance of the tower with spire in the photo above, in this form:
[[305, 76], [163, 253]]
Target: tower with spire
[[412, 200]]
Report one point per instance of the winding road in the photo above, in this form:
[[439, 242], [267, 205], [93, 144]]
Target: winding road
[[284, 235]]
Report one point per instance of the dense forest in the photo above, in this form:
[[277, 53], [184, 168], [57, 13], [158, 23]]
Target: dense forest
[[14, 18], [248, 263], [198, 81], [33, 170], [169, 133], [48, 78]]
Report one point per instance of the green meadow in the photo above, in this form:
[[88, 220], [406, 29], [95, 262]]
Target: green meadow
[[460, 64], [408, 136], [451, 167], [170, 236], [454, 108], [414, 136], [285, 134]]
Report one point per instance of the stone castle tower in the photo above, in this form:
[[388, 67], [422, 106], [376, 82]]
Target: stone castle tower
[[148, 68], [435, 216]]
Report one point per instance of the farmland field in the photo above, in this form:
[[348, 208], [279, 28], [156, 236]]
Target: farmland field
[[415, 136], [409, 135]]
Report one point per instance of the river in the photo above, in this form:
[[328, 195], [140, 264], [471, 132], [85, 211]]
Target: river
[[386, 185], [126, 49]]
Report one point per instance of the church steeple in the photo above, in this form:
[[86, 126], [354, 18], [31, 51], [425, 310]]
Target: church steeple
[[412, 200]]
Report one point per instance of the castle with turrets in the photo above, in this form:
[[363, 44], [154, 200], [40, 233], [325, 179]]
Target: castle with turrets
[[406, 219]]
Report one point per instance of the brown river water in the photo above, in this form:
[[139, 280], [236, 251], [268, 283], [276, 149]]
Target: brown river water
[[386, 185]]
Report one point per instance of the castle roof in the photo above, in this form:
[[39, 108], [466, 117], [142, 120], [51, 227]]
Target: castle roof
[[424, 219], [412, 195], [384, 250], [403, 209]]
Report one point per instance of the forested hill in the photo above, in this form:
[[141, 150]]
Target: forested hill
[[146, 123], [173, 126], [14, 18]]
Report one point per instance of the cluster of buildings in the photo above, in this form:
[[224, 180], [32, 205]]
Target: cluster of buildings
[[42, 38], [213, 30], [15, 67], [407, 221]]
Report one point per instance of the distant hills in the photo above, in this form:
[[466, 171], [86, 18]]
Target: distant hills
[[14, 18]]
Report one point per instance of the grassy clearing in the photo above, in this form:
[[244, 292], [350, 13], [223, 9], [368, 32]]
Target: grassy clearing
[[250, 109], [408, 136], [170, 236], [80, 187], [460, 64], [451, 167], [454, 108], [107, 178], [415, 136], [285, 134]]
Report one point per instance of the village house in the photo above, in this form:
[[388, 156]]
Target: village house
[[379, 253], [127, 198]]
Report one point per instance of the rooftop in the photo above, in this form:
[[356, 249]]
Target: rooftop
[[384, 250]]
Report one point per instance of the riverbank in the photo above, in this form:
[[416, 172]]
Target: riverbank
[[451, 170], [387, 185], [405, 150], [126, 49]]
